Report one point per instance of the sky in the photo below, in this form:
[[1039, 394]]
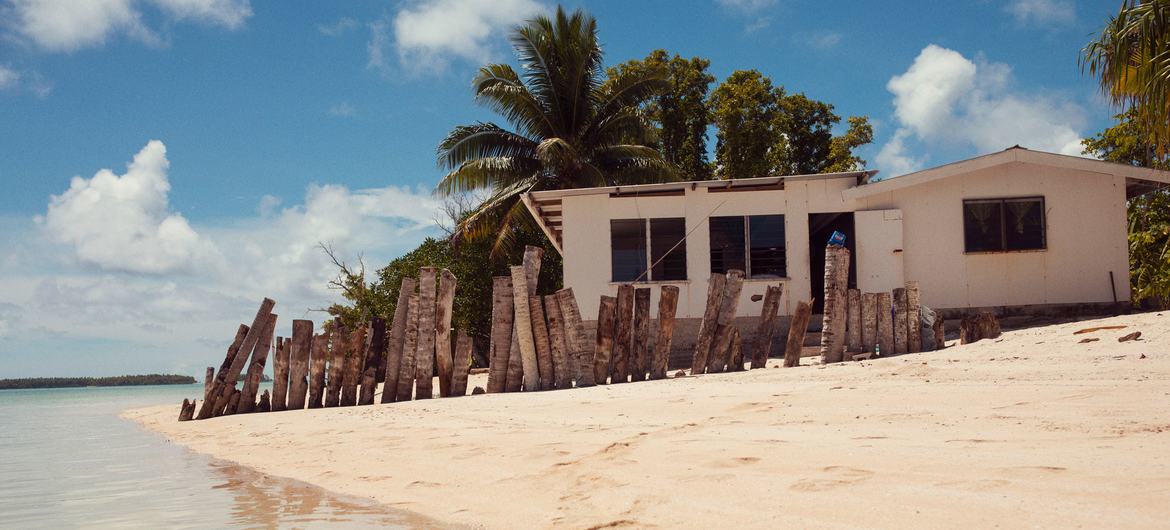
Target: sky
[[166, 164]]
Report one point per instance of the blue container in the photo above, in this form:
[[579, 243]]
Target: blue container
[[837, 239]]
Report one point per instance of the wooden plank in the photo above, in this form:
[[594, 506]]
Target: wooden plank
[[710, 322], [606, 323], [797, 327], [443, 311], [461, 364], [728, 306], [397, 340], [355, 343], [406, 368], [913, 318], [230, 370], [767, 328], [501, 337], [852, 321], [338, 338], [836, 283], [298, 350], [900, 320], [280, 372], [531, 372], [318, 357], [885, 323], [735, 360], [869, 325], [620, 368], [576, 339], [667, 308], [544, 361], [375, 351], [640, 357], [256, 367], [562, 375], [424, 355]]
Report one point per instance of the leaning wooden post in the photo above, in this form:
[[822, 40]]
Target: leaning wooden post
[[397, 340], [424, 355], [187, 411], [853, 327], [446, 303], [576, 339], [640, 358], [501, 338], [767, 327], [517, 364], [280, 373], [620, 369], [913, 318], [729, 304], [707, 327], [606, 321], [885, 323], [231, 368], [796, 330], [297, 351], [869, 318], [836, 283], [461, 364], [256, 368], [209, 378], [544, 359], [406, 368], [375, 351], [735, 360], [667, 307], [562, 375], [318, 357], [531, 371], [900, 321], [233, 403]]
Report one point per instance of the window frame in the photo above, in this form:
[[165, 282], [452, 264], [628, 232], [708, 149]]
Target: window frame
[[1003, 224], [647, 228], [747, 245]]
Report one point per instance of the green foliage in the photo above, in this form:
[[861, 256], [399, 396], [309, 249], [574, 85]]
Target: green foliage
[[744, 109], [76, 382]]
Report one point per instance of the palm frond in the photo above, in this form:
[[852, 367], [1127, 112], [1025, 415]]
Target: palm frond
[[488, 173], [498, 87], [482, 140]]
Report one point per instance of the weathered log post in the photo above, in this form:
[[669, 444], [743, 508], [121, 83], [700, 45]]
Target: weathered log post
[[187, 410], [836, 283], [256, 368], [265, 404], [540, 336], [443, 311], [853, 326], [767, 328], [355, 344], [797, 327], [729, 304], [978, 327], [461, 364], [710, 322], [606, 322], [218, 382], [667, 308], [523, 327], [318, 357], [869, 321], [885, 323], [562, 375], [576, 340], [338, 338], [735, 361], [231, 368], [501, 339], [913, 317], [517, 363], [900, 321], [280, 373], [209, 378], [224, 402], [640, 359], [406, 368], [620, 369], [375, 352], [424, 355], [397, 340], [297, 351], [514, 382], [940, 333]]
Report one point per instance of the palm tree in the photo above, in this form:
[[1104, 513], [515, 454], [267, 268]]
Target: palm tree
[[1131, 58], [572, 127]]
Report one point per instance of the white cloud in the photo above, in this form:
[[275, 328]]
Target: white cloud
[[946, 99], [70, 25], [746, 6], [342, 110], [14, 81], [8, 77], [428, 35], [342, 25], [893, 159], [819, 40], [1047, 12]]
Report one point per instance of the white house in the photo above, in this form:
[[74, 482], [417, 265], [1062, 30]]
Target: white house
[[1017, 228]]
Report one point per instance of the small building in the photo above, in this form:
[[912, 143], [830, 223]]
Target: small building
[[1014, 229]]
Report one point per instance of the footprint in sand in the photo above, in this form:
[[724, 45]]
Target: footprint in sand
[[835, 477]]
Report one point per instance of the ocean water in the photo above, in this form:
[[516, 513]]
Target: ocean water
[[68, 461]]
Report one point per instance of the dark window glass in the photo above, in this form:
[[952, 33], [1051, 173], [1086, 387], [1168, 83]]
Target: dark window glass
[[983, 225], [670, 261], [1004, 224], [1023, 224], [766, 237], [628, 244], [727, 244]]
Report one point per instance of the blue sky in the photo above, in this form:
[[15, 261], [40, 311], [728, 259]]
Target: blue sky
[[283, 124]]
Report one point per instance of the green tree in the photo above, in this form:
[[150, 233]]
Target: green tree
[[743, 108], [572, 127]]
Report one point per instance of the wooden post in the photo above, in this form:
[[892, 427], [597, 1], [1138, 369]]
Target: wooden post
[[424, 355], [796, 330], [296, 354], [853, 326], [710, 322], [280, 374], [562, 375], [375, 352], [544, 359], [230, 371], [523, 329], [224, 402], [729, 304], [978, 327], [187, 410], [913, 317], [869, 319], [667, 307], [900, 321], [517, 362], [885, 323], [501, 339], [640, 359], [443, 359], [579, 350], [209, 378], [735, 361], [767, 328], [337, 345], [836, 284], [209, 409], [397, 339], [940, 334], [515, 380], [318, 355], [461, 364], [620, 369], [606, 321], [256, 368], [265, 404], [355, 343], [406, 368]]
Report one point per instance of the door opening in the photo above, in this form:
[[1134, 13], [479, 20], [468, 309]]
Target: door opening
[[820, 227]]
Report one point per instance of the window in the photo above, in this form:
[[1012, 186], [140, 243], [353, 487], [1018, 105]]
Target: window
[[998, 225], [753, 244], [661, 243]]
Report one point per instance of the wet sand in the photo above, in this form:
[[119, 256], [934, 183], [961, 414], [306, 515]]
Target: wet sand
[[1033, 429]]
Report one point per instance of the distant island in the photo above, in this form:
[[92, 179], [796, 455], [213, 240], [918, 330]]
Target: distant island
[[73, 382]]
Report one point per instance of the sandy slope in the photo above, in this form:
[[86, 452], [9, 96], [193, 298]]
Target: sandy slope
[[1033, 429]]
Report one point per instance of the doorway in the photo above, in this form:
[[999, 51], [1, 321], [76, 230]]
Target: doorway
[[820, 227]]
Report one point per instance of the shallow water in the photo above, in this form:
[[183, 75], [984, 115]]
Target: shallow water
[[67, 460]]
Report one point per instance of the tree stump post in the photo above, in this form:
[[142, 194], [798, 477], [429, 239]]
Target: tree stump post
[[901, 328], [406, 367], [640, 361], [913, 317], [977, 327], [443, 360], [853, 326], [729, 304], [209, 377], [336, 367], [710, 322], [836, 283], [318, 359], [375, 355], [606, 322], [256, 368], [424, 355], [210, 396], [501, 338], [531, 371], [562, 375], [299, 351], [667, 308], [540, 337], [767, 327], [620, 370], [735, 362], [940, 333], [576, 340], [354, 359], [280, 371], [869, 319], [461, 364], [265, 404], [187, 410], [885, 323], [797, 327], [238, 359], [397, 340]]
